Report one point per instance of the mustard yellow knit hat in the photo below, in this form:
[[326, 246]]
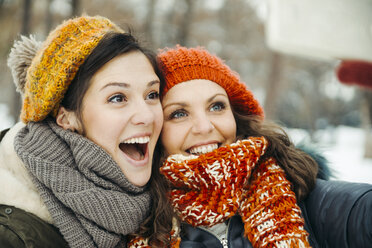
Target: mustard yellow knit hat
[[56, 63]]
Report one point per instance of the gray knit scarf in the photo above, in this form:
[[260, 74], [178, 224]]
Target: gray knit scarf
[[91, 201]]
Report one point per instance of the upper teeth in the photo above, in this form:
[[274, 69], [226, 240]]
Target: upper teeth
[[203, 149], [140, 140]]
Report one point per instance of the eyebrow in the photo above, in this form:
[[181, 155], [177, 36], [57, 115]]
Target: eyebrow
[[218, 94], [182, 104], [126, 85]]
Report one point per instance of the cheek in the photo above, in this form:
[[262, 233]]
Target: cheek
[[102, 127], [171, 138], [158, 120], [229, 128], [102, 134]]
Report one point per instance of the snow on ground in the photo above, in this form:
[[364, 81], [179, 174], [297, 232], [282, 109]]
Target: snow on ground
[[342, 146], [346, 156], [5, 120]]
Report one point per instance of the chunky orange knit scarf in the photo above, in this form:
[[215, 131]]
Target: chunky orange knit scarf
[[210, 188]]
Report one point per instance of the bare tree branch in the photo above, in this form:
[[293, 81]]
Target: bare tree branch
[[273, 85], [148, 28], [186, 22], [75, 4]]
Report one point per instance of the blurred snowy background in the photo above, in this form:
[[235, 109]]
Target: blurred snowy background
[[302, 93], [343, 146]]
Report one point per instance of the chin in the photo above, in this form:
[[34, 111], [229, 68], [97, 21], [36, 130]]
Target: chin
[[137, 175], [139, 179], [140, 183]]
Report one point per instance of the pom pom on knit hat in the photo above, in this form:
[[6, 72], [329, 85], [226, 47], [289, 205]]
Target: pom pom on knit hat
[[56, 63], [20, 57], [183, 64]]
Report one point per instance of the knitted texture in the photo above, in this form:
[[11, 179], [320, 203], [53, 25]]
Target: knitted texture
[[210, 188], [90, 200], [182, 64], [202, 186], [56, 63], [270, 212]]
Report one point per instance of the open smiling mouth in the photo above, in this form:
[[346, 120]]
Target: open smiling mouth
[[135, 148], [198, 150]]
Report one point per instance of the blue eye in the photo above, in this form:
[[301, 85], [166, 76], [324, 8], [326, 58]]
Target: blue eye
[[177, 114], [117, 98], [153, 95], [218, 106]]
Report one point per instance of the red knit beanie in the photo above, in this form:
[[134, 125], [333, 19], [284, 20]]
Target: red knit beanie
[[182, 64]]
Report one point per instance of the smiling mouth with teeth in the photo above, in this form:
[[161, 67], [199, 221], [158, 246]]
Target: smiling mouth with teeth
[[198, 150], [135, 148]]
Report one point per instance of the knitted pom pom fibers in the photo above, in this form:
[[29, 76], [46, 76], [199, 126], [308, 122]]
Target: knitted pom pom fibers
[[56, 63], [184, 64], [19, 60]]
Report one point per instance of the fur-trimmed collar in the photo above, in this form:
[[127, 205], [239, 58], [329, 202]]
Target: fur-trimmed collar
[[16, 186]]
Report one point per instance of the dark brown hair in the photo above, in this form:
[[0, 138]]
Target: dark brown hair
[[162, 211], [158, 225], [111, 45], [300, 168]]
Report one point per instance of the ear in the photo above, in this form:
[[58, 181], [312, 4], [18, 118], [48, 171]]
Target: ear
[[67, 120]]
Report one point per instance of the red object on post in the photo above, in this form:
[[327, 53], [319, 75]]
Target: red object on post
[[355, 72]]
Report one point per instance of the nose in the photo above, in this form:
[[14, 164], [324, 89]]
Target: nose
[[142, 114], [202, 124]]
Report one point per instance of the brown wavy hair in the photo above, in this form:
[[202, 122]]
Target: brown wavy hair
[[300, 168], [158, 226]]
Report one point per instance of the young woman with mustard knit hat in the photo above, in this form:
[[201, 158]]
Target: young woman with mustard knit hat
[[78, 172], [238, 181]]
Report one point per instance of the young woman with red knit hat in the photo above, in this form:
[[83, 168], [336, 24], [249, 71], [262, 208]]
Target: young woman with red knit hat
[[78, 171], [235, 179], [219, 181]]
